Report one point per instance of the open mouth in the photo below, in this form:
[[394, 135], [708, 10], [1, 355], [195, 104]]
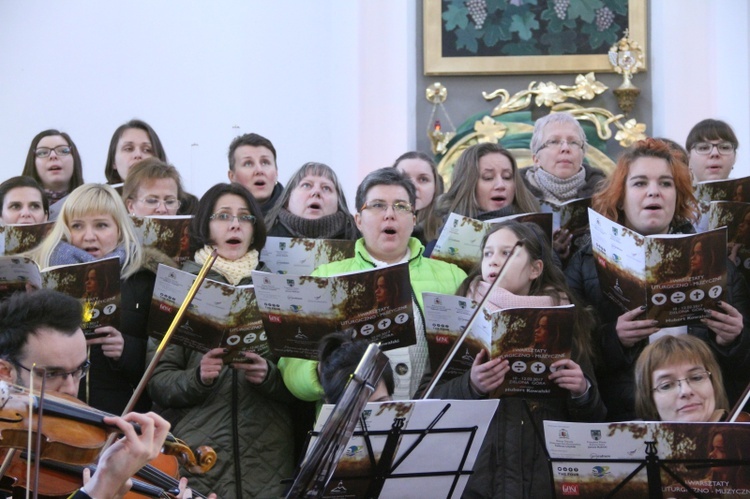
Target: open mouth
[[260, 183], [492, 276], [314, 206], [498, 199], [653, 207], [91, 249], [390, 231], [233, 241]]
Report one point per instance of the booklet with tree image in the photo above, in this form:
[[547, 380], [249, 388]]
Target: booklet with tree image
[[300, 256], [460, 239], [168, 234], [96, 285], [677, 277], [297, 311], [17, 239], [590, 459], [732, 189], [220, 315], [531, 338]]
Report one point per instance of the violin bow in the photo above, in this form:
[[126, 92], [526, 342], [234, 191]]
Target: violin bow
[[452, 352], [172, 328], [737, 409]]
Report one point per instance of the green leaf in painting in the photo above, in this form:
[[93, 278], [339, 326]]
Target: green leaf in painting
[[560, 43], [529, 48], [456, 16], [523, 25], [584, 9], [496, 32], [496, 5], [467, 38], [619, 7], [598, 38], [554, 23]]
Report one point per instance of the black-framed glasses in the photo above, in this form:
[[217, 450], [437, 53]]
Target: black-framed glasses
[[705, 148], [379, 206], [557, 144], [154, 202], [57, 374], [228, 217], [44, 152], [671, 385]]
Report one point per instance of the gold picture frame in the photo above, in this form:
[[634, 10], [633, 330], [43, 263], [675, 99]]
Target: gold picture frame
[[436, 64]]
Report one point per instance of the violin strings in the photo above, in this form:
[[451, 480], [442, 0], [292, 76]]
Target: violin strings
[[28, 436]]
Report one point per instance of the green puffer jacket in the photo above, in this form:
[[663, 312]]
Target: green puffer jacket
[[426, 275], [249, 426]]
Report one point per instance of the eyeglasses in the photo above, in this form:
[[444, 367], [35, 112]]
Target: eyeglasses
[[705, 148], [56, 375], [152, 202], [399, 207], [43, 152], [557, 144], [671, 385], [228, 217]]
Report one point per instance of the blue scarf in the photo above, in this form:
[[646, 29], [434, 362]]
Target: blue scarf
[[67, 254]]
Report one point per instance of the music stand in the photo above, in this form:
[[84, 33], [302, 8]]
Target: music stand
[[423, 446], [651, 461]]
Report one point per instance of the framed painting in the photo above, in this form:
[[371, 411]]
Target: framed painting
[[527, 36]]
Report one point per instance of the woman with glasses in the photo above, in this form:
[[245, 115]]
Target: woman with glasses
[[93, 225], [241, 410], [152, 188], [712, 148], [650, 193], [312, 205], [385, 217], [558, 146], [677, 378], [53, 161]]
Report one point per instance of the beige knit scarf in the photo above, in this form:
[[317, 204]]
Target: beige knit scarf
[[233, 270]]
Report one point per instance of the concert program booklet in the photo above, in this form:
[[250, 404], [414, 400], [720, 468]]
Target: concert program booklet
[[571, 216], [435, 445], [678, 277], [299, 256], [736, 218], [615, 450], [530, 338], [460, 239], [168, 234], [297, 311], [220, 315], [734, 189], [15, 239], [96, 285]]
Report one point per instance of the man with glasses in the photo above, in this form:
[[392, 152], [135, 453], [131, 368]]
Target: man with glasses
[[41, 337]]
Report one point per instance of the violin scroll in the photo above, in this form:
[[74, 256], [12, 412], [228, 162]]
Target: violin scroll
[[206, 456]]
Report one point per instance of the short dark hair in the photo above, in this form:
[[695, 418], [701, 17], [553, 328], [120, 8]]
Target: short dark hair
[[339, 356], [23, 314], [150, 169], [29, 167], [22, 181], [249, 139], [113, 176], [200, 233], [710, 129], [385, 176]]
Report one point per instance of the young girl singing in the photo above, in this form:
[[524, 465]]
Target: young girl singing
[[511, 462]]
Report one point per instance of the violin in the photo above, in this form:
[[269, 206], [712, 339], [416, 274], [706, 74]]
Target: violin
[[73, 433]]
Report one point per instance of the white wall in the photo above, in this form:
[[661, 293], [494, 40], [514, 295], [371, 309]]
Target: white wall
[[700, 68], [325, 81]]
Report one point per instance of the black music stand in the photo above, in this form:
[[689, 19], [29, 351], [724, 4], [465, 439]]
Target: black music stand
[[653, 465], [393, 460]]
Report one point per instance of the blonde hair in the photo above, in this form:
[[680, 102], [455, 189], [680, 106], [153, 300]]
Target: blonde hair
[[99, 199]]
